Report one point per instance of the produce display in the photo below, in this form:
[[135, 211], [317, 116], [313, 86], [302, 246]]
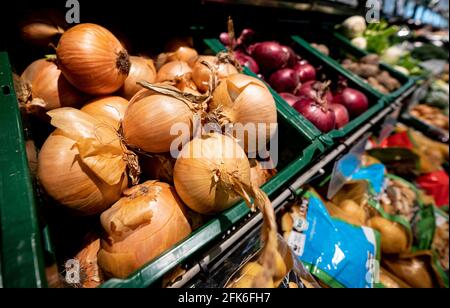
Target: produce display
[[327, 104], [272, 157]]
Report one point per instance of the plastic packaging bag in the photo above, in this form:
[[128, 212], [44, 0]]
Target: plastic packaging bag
[[338, 253]]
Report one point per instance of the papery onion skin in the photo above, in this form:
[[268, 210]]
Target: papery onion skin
[[50, 86], [196, 165], [185, 54], [308, 89], [284, 80], [93, 59], [355, 101], [141, 69], [174, 71], [305, 71], [87, 257], [321, 116], [147, 221], [201, 73], [70, 182], [247, 61], [109, 109], [269, 55], [43, 27], [149, 118], [341, 114], [258, 175], [291, 99], [246, 100]]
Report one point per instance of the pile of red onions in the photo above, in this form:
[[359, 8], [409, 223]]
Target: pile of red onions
[[296, 81]]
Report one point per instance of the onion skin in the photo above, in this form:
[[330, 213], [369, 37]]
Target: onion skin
[[246, 100], [247, 61], [341, 114], [141, 69], [291, 99], [93, 275], [269, 55], [109, 109], [93, 59], [258, 175], [292, 56], [308, 89], [70, 182], [321, 116], [50, 86], [198, 160], [306, 72], [149, 118], [147, 221], [201, 73], [185, 54], [355, 101], [43, 28], [178, 72], [284, 80]]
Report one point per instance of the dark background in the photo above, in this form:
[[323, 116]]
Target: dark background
[[148, 25]]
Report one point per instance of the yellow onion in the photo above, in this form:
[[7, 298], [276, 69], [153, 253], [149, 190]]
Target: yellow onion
[[211, 173], [185, 54], [93, 59], [201, 74], [149, 119], [92, 275], [49, 88], [158, 167], [43, 28], [148, 220], [206, 170], [245, 100], [141, 69], [258, 175], [177, 72], [70, 182], [109, 109]]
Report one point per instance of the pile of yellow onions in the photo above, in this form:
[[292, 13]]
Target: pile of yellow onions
[[133, 109]]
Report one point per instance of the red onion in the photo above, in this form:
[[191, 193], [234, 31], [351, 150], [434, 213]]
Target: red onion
[[291, 99], [341, 114], [247, 61], [293, 58], [284, 80], [245, 36], [306, 72], [355, 101], [269, 55], [310, 88], [225, 38], [318, 114], [303, 62]]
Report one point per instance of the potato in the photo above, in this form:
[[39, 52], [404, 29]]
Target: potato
[[355, 210], [394, 238]]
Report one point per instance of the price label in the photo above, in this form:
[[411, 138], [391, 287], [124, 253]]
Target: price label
[[300, 224], [296, 241], [388, 125], [346, 166]]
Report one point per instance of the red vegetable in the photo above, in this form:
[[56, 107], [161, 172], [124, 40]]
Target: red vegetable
[[284, 80], [291, 99], [247, 61], [245, 36], [310, 88], [225, 39], [355, 101], [269, 55], [293, 58], [316, 109], [341, 114], [305, 71]]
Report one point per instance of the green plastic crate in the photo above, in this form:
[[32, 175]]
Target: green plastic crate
[[406, 81], [23, 250], [316, 58], [22, 261]]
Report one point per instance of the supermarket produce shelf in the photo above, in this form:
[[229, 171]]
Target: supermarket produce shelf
[[212, 259]]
